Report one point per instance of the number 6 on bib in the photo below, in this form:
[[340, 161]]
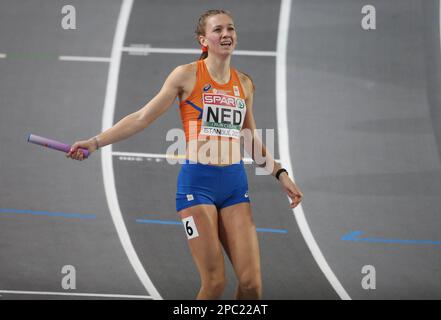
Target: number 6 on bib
[[190, 228]]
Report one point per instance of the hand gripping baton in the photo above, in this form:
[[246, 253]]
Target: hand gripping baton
[[53, 144]]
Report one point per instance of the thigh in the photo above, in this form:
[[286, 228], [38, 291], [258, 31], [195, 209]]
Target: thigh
[[206, 248], [238, 235]]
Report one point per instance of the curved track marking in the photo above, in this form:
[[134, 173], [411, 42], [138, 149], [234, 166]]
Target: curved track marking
[[106, 153], [282, 124]]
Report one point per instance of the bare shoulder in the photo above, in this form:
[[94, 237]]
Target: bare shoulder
[[247, 83], [183, 76], [185, 71]]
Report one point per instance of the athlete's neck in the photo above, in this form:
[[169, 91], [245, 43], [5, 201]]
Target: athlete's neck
[[219, 68]]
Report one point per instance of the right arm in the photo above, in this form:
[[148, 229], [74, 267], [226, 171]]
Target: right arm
[[139, 120]]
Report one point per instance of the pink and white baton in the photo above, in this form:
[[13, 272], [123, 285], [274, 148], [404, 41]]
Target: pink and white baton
[[53, 144]]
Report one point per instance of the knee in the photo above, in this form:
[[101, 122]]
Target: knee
[[215, 284], [251, 284]]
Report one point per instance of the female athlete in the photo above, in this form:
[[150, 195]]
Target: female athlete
[[216, 106]]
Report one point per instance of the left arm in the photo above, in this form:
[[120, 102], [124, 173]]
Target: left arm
[[257, 149]]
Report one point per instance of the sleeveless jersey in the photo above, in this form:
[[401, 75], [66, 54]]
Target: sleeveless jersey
[[213, 110]]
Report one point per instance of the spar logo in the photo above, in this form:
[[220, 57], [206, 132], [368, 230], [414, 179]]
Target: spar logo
[[220, 100], [223, 111]]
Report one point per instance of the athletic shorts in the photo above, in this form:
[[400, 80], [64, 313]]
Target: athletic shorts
[[221, 186]]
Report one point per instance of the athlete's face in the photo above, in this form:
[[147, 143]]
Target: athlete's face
[[220, 34]]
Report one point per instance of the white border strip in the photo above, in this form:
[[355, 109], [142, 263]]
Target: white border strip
[[106, 154], [164, 156], [195, 51], [86, 59], [282, 123], [101, 295], [2, 55]]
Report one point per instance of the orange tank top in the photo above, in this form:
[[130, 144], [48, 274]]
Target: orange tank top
[[212, 109]]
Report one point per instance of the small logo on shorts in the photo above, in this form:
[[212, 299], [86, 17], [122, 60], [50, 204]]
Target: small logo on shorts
[[190, 197], [246, 194]]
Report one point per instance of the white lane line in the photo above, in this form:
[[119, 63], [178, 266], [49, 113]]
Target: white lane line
[[195, 51], [101, 295], [147, 155], [2, 55], [106, 154], [147, 50], [86, 59], [282, 123], [165, 156]]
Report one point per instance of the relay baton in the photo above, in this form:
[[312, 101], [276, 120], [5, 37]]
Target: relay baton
[[53, 144]]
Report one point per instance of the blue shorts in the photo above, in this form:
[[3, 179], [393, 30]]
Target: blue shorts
[[221, 186]]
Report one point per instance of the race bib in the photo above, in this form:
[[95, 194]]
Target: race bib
[[223, 115]]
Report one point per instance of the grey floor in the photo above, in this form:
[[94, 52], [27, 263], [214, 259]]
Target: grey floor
[[364, 127]]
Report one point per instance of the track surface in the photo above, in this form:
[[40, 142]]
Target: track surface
[[363, 121]]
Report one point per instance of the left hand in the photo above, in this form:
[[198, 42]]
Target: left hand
[[291, 189]]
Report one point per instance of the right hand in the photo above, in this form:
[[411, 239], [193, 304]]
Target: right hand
[[77, 154]]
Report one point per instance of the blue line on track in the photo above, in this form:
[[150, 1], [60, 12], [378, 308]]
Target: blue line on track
[[159, 221], [170, 222], [354, 236], [50, 214], [271, 230]]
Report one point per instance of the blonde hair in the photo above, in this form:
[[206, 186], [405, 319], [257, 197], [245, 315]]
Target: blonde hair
[[200, 27], [200, 31]]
